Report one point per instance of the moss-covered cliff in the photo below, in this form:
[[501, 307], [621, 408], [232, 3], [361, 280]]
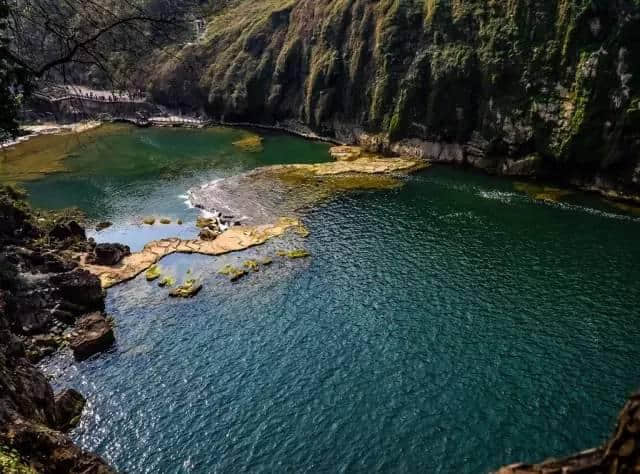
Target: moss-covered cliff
[[485, 82]]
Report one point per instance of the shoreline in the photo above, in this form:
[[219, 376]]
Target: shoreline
[[366, 141]]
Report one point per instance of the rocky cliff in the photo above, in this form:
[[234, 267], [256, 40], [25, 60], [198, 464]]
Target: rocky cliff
[[42, 294], [526, 87]]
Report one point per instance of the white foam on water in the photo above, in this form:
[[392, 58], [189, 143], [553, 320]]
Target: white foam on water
[[502, 196]]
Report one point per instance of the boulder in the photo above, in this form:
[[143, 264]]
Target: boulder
[[67, 230], [103, 225], [92, 334], [79, 291], [108, 254], [68, 406], [207, 233]]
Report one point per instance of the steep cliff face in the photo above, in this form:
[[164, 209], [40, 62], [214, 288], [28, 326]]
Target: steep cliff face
[[485, 82]]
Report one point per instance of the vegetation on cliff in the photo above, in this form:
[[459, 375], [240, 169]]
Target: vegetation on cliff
[[558, 79]]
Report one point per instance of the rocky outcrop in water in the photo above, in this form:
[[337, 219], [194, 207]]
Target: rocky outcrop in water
[[91, 334], [525, 87], [42, 293]]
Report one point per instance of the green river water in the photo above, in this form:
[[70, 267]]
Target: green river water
[[449, 326]]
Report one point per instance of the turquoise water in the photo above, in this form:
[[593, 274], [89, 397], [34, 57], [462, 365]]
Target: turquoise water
[[450, 326]]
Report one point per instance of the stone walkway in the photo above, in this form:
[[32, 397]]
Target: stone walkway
[[231, 240]]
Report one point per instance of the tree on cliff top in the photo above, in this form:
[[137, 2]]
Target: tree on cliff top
[[52, 40]]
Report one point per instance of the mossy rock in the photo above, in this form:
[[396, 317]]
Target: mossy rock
[[167, 281], [10, 462], [164, 220], [252, 144], [149, 220], [188, 289], [153, 273], [542, 193], [302, 231], [202, 222], [179, 222], [295, 253], [232, 272], [252, 265]]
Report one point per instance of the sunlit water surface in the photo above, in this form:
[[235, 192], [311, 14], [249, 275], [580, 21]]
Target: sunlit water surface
[[450, 326]]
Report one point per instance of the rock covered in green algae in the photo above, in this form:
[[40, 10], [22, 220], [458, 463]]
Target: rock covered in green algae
[[153, 273], [149, 220], [302, 231], [167, 281], [232, 272], [165, 221], [541, 192], [188, 289], [251, 143], [295, 253], [252, 265]]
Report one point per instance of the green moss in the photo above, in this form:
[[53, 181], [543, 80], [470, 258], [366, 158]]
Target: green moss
[[232, 272], [541, 192], [188, 289], [153, 273], [167, 281], [301, 230], [251, 144], [295, 253], [10, 462], [252, 265]]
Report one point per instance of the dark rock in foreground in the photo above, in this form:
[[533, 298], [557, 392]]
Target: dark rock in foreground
[[41, 293], [67, 230], [69, 405], [92, 334]]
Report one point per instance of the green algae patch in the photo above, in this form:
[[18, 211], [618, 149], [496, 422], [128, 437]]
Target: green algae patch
[[202, 222], [164, 220], [167, 281], [542, 193], [232, 272], [624, 207], [301, 230], [251, 144], [153, 273], [345, 153], [295, 253], [10, 462], [46, 154], [149, 220], [188, 289], [252, 265]]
